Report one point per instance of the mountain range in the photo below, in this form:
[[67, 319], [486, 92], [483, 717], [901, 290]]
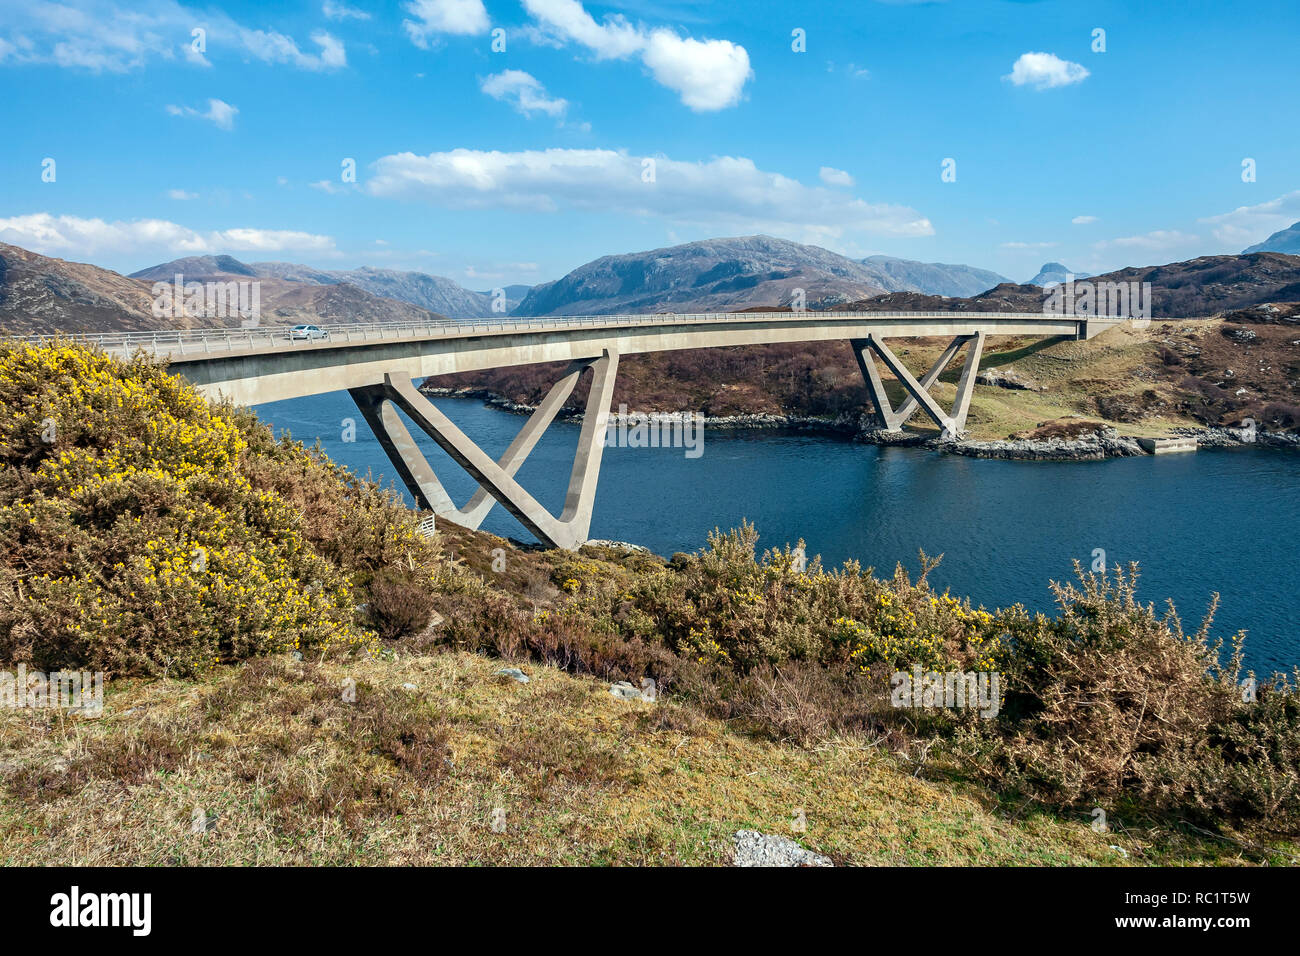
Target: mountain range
[[1199, 287], [43, 294], [434, 293], [936, 278], [714, 275], [40, 294]]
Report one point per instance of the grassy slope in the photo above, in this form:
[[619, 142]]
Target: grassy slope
[[628, 783], [295, 775]]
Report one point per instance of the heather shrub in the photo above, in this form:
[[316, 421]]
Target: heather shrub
[[1107, 703], [401, 603]]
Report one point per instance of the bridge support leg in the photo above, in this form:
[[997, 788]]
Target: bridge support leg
[[952, 424], [379, 404]]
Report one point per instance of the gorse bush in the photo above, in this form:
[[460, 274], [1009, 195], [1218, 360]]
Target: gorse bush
[[143, 530], [727, 604], [1111, 704]]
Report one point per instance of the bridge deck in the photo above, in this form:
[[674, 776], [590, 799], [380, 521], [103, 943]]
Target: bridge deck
[[263, 364]]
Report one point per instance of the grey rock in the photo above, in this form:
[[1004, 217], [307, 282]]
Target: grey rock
[[618, 545], [1085, 448], [1006, 378], [514, 673], [625, 691], [761, 849]]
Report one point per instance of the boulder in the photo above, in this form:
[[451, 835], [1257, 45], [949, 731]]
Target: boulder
[[762, 849]]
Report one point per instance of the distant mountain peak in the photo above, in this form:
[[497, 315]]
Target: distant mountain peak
[[196, 266], [1054, 273], [934, 278], [739, 272], [1284, 240]]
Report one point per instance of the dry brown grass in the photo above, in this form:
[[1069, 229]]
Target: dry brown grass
[[293, 774]]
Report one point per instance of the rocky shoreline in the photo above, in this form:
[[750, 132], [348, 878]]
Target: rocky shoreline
[[1105, 443], [847, 424]]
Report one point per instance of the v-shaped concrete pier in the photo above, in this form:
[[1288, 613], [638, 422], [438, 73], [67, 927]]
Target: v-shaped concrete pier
[[379, 404], [952, 424]]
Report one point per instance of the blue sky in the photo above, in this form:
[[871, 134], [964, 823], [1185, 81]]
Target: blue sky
[[517, 165]]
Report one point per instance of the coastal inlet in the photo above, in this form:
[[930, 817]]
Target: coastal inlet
[[1220, 520]]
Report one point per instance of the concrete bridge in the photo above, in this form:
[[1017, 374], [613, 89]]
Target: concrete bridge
[[377, 363]]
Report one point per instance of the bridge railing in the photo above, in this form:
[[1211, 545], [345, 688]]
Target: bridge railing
[[210, 340]]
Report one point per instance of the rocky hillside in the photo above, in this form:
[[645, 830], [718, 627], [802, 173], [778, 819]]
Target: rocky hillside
[[40, 294], [708, 276], [1007, 297], [1211, 284], [1199, 287], [938, 278], [428, 292]]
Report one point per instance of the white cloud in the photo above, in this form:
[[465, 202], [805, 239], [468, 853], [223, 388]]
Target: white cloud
[[341, 11], [462, 17], [835, 177], [272, 47], [103, 36], [725, 193], [218, 112], [523, 91], [1028, 246], [1083, 220], [1160, 240], [1247, 225], [181, 194], [64, 235], [564, 21], [707, 74], [1043, 71]]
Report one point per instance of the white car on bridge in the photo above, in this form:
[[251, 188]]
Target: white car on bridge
[[307, 332]]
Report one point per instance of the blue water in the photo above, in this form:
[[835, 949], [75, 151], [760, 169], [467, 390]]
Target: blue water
[[1214, 520]]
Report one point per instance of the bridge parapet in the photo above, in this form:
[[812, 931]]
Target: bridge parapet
[[193, 344]]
